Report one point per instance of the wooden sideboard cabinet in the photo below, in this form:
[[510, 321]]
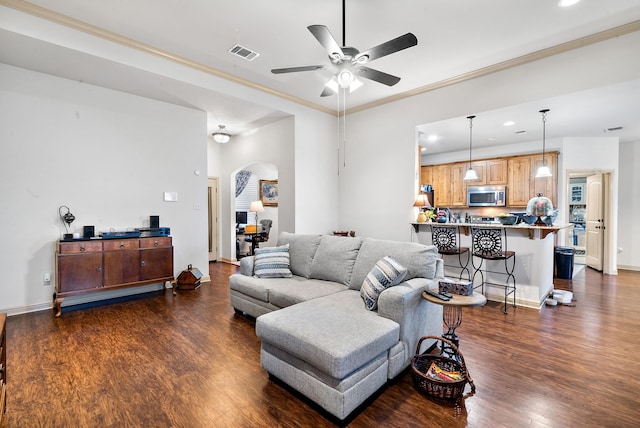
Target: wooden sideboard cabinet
[[97, 265], [3, 370]]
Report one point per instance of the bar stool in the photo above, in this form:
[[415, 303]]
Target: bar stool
[[447, 241], [490, 244]]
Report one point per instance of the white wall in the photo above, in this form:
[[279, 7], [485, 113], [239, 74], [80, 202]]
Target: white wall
[[299, 149], [629, 207], [108, 156]]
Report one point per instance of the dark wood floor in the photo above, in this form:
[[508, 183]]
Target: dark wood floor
[[188, 361]]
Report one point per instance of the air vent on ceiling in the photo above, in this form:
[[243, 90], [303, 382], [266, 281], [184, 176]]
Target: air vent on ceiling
[[615, 128], [522, 131], [243, 52]]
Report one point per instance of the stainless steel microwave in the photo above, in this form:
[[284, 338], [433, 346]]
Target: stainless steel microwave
[[487, 196]]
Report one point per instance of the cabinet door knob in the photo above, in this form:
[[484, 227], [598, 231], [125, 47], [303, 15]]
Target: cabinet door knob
[[82, 249], [142, 263], [98, 269], [121, 245], [155, 243]]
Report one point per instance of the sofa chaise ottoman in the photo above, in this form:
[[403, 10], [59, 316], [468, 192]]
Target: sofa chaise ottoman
[[317, 334]]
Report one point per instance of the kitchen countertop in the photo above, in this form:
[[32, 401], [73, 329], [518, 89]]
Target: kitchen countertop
[[544, 230]]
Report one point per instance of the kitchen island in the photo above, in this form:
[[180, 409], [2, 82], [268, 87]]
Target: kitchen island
[[534, 247]]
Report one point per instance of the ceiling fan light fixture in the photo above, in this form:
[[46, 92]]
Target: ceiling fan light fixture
[[221, 135], [345, 78]]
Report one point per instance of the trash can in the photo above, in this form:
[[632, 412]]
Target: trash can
[[563, 266]]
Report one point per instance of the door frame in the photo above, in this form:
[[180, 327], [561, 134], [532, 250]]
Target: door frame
[[607, 251], [213, 218]]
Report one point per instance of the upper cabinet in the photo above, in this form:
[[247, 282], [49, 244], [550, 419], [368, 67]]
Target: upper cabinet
[[517, 173], [491, 172]]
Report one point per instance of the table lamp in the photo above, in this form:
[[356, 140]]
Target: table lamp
[[422, 202], [256, 207]]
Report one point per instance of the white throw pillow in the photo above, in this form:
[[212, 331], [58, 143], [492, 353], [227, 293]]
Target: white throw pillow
[[386, 273], [272, 262]]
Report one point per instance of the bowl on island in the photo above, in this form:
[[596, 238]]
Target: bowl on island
[[507, 220]]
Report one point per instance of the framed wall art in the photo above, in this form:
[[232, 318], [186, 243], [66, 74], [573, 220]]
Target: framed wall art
[[269, 193]]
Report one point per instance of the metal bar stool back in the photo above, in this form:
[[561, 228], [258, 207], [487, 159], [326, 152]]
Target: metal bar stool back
[[447, 241], [490, 244]]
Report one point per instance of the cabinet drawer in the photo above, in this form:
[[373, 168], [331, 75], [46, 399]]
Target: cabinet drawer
[[80, 247], [121, 244], [158, 241]]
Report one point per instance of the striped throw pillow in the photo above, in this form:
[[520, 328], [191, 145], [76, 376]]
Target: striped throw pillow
[[386, 273], [272, 262]]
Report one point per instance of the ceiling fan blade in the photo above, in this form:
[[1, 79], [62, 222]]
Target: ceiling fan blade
[[378, 76], [387, 48], [326, 92], [297, 69], [323, 35]]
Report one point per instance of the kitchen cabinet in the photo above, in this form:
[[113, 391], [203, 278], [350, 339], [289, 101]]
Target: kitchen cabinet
[[426, 174], [546, 185], [523, 184], [518, 193], [517, 173], [442, 185], [458, 188], [84, 267], [496, 172]]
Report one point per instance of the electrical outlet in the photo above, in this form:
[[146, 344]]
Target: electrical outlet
[[46, 278]]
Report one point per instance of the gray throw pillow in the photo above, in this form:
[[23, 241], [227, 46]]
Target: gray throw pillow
[[302, 249], [419, 259], [335, 258]]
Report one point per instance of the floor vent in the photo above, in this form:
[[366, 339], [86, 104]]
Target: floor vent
[[243, 52]]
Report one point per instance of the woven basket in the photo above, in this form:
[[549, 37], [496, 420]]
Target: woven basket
[[437, 388]]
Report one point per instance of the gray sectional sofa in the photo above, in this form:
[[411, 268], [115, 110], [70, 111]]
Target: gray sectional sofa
[[317, 335]]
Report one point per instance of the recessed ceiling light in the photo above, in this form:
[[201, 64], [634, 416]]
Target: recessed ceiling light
[[509, 123], [423, 149], [432, 138], [492, 138], [567, 3]]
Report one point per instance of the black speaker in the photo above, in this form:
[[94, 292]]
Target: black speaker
[[154, 221], [88, 232]]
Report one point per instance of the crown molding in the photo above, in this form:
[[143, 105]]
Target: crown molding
[[611, 33]]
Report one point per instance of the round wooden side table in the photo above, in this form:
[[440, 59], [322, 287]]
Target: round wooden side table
[[452, 314]]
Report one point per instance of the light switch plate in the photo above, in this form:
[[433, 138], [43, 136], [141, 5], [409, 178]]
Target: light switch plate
[[170, 196]]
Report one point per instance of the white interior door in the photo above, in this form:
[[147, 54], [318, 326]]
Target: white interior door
[[213, 218], [595, 222]]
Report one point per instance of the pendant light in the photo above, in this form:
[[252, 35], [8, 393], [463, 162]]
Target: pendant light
[[543, 171], [470, 174], [221, 135]]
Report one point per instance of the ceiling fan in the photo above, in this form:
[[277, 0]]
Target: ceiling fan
[[348, 62]]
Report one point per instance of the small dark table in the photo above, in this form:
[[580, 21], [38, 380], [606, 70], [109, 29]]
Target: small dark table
[[452, 314]]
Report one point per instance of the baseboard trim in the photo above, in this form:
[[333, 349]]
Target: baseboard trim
[[626, 267]]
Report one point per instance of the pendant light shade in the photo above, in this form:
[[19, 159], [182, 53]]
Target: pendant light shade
[[470, 174], [543, 171], [221, 135]]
